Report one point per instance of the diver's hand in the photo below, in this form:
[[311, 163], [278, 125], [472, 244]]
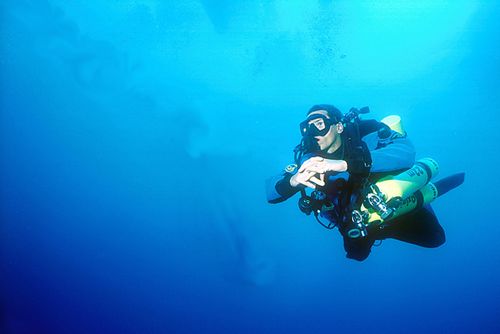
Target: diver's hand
[[321, 165], [308, 179], [312, 172]]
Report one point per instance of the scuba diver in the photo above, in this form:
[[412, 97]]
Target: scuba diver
[[364, 180]]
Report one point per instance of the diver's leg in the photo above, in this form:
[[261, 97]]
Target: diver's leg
[[420, 228], [358, 249]]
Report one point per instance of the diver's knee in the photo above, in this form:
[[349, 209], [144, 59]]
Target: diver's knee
[[358, 249], [438, 239], [358, 256]]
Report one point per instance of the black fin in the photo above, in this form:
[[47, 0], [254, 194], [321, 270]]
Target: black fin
[[449, 183]]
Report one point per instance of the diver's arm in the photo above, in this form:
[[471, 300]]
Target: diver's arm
[[279, 189], [310, 174], [394, 153]]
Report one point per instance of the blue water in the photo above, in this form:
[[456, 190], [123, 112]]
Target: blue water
[[136, 137]]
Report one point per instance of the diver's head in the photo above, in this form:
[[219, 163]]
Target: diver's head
[[324, 124]]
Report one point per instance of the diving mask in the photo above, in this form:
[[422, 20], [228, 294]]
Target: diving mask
[[315, 125]]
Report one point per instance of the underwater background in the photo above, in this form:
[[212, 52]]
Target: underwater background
[[136, 138]]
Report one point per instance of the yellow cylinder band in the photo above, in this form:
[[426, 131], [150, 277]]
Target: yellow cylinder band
[[394, 122]]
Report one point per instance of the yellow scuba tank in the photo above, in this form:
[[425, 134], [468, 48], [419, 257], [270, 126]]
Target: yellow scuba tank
[[406, 183], [425, 195], [400, 194]]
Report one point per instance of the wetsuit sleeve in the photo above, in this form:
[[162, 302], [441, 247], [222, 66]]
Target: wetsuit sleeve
[[392, 153], [278, 188]]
